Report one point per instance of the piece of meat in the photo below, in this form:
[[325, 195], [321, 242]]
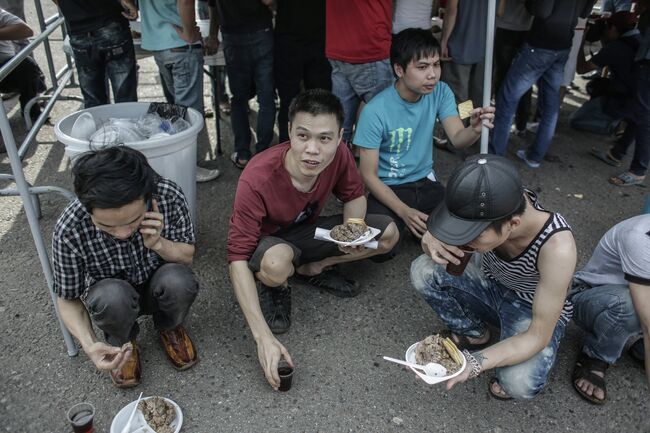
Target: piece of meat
[[348, 232], [431, 350]]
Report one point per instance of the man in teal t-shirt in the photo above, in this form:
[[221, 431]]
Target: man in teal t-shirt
[[395, 133]]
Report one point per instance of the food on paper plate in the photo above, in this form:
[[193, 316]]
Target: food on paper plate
[[158, 413], [440, 350], [352, 230]]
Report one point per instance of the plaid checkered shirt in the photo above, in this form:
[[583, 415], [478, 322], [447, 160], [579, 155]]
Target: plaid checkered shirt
[[83, 254]]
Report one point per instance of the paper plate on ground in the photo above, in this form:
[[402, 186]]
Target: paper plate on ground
[[366, 237], [410, 357], [139, 424]]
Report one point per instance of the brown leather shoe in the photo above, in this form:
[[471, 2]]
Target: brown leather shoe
[[179, 348], [129, 375]]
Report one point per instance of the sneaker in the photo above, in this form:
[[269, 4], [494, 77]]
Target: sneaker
[[532, 127], [275, 303], [205, 174], [521, 154]]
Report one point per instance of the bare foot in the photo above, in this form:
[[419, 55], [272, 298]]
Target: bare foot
[[589, 388]]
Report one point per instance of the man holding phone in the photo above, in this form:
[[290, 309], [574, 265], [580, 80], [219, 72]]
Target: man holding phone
[[122, 249]]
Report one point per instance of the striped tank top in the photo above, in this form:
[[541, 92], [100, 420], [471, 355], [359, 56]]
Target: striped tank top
[[520, 274]]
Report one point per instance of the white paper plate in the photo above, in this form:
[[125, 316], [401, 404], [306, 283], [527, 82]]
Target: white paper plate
[[367, 236], [139, 425], [409, 356]]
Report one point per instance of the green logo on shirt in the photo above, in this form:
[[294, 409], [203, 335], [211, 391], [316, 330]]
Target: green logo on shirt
[[397, 139]]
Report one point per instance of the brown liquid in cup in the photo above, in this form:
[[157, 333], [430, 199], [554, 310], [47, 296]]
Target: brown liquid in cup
[[457, 270], [286, 375]]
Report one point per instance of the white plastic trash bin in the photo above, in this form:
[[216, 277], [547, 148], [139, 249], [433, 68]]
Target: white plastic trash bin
[[173, 157]]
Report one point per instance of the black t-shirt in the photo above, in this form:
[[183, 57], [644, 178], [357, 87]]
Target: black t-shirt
[[243, 16], [618, 56], [83, 16], [555, 21], [304, 18]]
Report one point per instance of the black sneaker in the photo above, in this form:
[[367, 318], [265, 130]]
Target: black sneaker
[[275, 303]]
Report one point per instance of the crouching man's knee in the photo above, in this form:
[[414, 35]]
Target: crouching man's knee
[[388, 239], [424, 274], [276, 266]]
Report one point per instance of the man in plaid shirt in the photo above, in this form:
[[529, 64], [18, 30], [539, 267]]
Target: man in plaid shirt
[[120, 250]]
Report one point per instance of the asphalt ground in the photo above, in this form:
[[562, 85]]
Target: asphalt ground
[[341, 382]]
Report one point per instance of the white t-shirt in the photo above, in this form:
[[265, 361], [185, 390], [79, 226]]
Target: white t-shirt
[[8, 49], [412, 14], [622, 255]]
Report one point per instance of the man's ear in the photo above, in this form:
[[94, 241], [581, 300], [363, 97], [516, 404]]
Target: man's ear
[[514, 222], [399, 71]]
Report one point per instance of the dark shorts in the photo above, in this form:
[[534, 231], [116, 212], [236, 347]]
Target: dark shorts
[[424, 195], [305, 248]]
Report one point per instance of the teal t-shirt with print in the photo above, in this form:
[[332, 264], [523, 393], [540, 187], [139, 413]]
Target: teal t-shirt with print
[[403, 132]]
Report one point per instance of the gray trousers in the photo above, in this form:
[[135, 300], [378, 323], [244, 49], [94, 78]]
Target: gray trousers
[[466, 81], [114, 304]]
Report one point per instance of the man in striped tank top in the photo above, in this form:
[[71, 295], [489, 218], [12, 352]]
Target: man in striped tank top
[[528, 258], [611, 295]]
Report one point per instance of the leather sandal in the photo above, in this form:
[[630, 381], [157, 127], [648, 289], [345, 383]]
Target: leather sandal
[[179, 348], [462, 342], [129, 375], [502, 397], [584, 369]]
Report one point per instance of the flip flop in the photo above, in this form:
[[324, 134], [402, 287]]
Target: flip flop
[[238, 162], [584, 369], [502, 397], [626, 179], [605, 156], [462, 342]]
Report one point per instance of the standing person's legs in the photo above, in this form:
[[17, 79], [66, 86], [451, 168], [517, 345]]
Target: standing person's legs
[[641, 156], [91, 71], [317, 71], [527, 67], [342, 89], [457, 78], [114, 306], [475, 84], [239, 67], [121, 66], [549, 90], [263, 76], [186, 68], [369, 79], [288, 71]]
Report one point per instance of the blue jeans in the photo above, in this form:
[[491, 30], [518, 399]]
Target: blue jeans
[[105, 53], [638, 129], [532, 65], [616, 5], [181, 74], [353, 83], [592, 117], [467, 303], [606, 313], [249, 65]]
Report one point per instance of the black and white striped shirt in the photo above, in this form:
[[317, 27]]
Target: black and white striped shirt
[[520, 274], [82, 254]]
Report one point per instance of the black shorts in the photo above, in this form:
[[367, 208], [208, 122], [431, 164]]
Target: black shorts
[[305, 248]]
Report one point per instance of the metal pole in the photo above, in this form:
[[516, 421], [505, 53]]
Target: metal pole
[[32, 218], [487, 73], [46, 43]]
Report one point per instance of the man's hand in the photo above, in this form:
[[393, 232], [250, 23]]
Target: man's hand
[[444, 51], [269, 352], [106, 357], [415, 220], [460, 378], [210, 45], [152, 226], [479, 115], [130, 10], [440, 252], [191, 35]]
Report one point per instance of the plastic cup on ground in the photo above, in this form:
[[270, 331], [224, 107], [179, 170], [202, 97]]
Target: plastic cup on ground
[[457, 269], [285, 371], [81, 417]]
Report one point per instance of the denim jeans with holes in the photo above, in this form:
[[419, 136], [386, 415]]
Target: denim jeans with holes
[[103, 55], [466, 304]]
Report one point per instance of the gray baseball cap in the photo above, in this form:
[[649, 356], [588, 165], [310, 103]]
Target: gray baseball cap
[[482, 189]]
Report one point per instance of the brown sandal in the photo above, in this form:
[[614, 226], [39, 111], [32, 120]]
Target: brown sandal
[[462, 342], [584, 369]]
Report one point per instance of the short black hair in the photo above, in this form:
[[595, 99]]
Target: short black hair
[[315, 102], [497, 225], [112, 177], [412, 45]]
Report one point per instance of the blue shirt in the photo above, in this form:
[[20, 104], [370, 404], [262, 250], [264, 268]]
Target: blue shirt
[[403, 131], [157, 17]]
